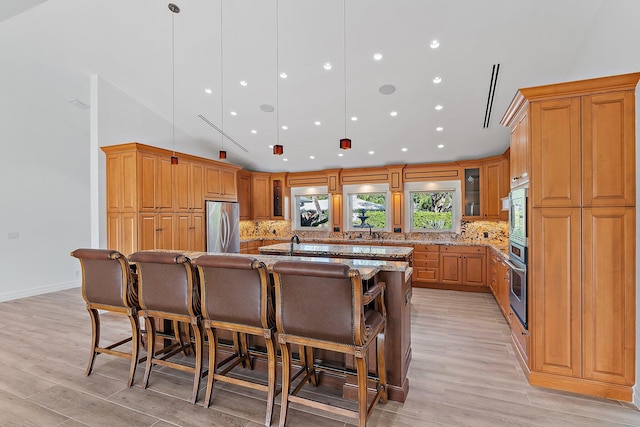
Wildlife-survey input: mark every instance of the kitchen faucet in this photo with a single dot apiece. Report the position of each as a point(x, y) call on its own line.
point(297, 240)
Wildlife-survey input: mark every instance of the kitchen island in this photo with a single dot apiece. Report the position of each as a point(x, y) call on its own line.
point(397, 276)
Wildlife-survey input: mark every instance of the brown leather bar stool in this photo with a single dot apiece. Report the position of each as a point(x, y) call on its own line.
point(107, 284)
point(237, 297)
point(320, 305)
point(169, 290)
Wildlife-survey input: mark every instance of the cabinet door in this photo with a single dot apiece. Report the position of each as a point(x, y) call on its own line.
point(555, 145)
point(148, 170)
point(495, 187)
point(164, 187)
point(608, 149)
point(147, 225)
point(519, 157)
point(260, 194)
point(555, 291)
point(474, 269)
point(229, 190)
point(121, 182)
point(182, 225)
point(451, 268)
point(278, 191)
point(212, 182)
point(472, 197)
point(197, 242)
point(165, 231)
point(608, 294)
point(196, 187)
point(182, 200)
point(244, 195)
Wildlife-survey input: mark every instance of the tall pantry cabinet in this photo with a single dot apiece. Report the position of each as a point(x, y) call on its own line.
point(581, 146)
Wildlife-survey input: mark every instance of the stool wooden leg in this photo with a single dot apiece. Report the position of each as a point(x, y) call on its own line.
point(95, 337)
point(213, 345)
point(198, 368)
point(382, 370)
point(286, 381)
point(361, 367)
point(151, 340)
point(271, 386)
point(135, 345)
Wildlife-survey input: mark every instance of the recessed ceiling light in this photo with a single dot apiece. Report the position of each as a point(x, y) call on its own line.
point(439, 128)
point(340, 154)
point(209, 91)
point(354, 118)
point(283, 75)
point(243, 83)
point(271, 146)
point(327, 65)
point(371, 152)
point(267, 108)
point(437, 79)
point(377, 56)
point(285, 127)
point(404, 149)
point(312, 157)
point(285, 160)
point(434, 44)
point(439, 107)
point(254, 131)
point(393, 113)
point(233, 113)
point(440, 145)
point(317, 123)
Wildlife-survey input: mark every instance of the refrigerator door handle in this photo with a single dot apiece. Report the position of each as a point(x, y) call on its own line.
point(225, 231)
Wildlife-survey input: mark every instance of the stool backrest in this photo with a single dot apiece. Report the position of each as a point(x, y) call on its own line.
point(106, 278)
point(235, 289)
point(318, 300)
point(167, 283)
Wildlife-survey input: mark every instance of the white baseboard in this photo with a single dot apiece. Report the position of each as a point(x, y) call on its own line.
point(39, 291)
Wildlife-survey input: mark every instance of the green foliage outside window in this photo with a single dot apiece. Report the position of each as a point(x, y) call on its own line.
point(432, 210)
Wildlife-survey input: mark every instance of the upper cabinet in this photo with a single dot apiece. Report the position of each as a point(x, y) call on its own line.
point(220, 182)
point(260, 194)
point(244, 194)
point(517, 120)
point(495, 180)
point(472, 188)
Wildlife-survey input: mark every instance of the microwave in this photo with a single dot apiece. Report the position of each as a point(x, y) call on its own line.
point(518, 216)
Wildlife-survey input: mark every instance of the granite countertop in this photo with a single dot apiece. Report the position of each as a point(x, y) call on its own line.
point(367, 268)
point(394, 252)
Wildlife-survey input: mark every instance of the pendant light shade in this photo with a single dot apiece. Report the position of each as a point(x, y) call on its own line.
point(278, 149)
point(174, 160)
point(222, 154)
point(345, 143)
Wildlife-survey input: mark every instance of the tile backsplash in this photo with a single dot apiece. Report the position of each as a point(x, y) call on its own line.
point(471, 231)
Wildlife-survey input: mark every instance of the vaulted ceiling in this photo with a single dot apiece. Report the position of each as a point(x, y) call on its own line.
point(216, 46)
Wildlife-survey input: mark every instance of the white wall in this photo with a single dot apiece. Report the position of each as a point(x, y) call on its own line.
point(44, 195)
point(610, 48)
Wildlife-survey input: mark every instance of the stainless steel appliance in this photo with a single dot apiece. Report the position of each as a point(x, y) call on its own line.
point(518, 216)
point(223, 227)
point(518, 281)
point(518, 254)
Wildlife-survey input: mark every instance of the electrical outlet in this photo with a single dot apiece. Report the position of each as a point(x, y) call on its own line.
point(486, 234)
point(13, 235)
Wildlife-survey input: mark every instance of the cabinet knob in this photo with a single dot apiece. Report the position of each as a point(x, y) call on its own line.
point(514, 179)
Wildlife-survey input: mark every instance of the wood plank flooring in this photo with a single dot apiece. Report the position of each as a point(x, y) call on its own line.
point(463, 373)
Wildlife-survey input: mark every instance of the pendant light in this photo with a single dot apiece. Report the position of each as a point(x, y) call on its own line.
point(222, 154)
point(175, 9)
point(345, 143)
point(278, 149)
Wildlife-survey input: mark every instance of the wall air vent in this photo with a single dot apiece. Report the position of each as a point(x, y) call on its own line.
point(207, 121)
point(492, 91)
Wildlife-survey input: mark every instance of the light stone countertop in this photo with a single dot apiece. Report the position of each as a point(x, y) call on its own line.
point(375, 251)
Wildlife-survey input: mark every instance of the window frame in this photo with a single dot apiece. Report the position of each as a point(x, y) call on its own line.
point(295, 209)
point(349, 190)
point(433, 186)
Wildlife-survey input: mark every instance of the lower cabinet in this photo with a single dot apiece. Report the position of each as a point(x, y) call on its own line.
point(250, 247)
point(156, 231)
point(520, 338)
point(463, 265)
point(190, 233)
point(426, 264)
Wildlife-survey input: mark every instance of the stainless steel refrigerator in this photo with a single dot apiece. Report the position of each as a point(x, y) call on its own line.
point(223, 227)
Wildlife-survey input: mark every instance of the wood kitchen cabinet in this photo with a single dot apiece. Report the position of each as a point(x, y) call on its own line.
point(152, 204)
point(426, 264)
point(260, 193)
point(472, 193)
point(278, 193)
point(582, 233)
point(244, 194)
point(463, 265)
point(495, 185)
point(220, 183)
point(517, 119)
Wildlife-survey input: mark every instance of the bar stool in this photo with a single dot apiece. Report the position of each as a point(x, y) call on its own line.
point(322, 305)
point(107, 285)
point(236, 296)
point(169, 290)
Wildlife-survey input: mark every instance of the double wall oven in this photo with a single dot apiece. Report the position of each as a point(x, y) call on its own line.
point(518, 253)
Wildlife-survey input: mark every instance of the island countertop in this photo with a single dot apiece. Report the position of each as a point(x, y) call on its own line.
point(350, 251)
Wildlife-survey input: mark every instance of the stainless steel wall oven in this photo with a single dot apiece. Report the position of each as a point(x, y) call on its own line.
point(518, 254)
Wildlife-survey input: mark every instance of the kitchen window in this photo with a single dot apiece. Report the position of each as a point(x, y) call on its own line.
point(311, 208)
point(366, 207)
point(433, 206)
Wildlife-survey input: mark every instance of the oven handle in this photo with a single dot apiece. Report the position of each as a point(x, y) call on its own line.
point(513, 267)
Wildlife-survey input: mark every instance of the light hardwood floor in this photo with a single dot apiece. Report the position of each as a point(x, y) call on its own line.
point(463, 373)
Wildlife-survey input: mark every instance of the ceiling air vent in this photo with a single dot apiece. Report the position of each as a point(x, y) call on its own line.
point(492, 91)
point(207, 121)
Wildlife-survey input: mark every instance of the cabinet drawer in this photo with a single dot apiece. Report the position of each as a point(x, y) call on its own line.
point(520, 337)
point(426, 256)
point(426, 263)
point(426, 248)
point(464, 249)
point(426, 274)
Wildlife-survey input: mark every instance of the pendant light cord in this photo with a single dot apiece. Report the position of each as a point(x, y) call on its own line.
point(277, 72)
point(344, 50)
point(221, 77)
point(173, 83)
